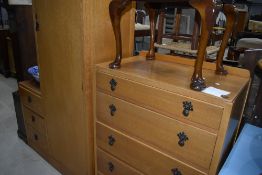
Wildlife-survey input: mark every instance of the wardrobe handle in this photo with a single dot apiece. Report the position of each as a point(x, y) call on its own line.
point(29, 99)
point(112, 109)
point(37, 25)
point(111, 166)
point(113, 84)
point(182, 138)
point(187, 105)
point(175, 171)
point(33, 118)
point(35, 137)
point(111, 140)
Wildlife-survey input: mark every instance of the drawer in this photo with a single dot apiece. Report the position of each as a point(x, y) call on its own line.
point(162, 101)
point(138, 155)
point(31, 100)
point(37, 140)
point(108, 164)
point(173, 137)
point(34, 120)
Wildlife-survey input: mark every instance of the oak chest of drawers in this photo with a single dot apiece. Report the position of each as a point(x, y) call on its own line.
point(34, 117)
point(148, 121)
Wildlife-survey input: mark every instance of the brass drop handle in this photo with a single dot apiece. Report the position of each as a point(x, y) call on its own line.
point(187, 106)
point(33, 118)
point(111, 140)
point(35, 137)
point(111, 166)
point(113, 84)
point(182, 138)
point(112, 109)
point(29, 99)
point(37, 25)
point(175, 171)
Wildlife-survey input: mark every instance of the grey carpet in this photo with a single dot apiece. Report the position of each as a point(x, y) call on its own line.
point(16, 158)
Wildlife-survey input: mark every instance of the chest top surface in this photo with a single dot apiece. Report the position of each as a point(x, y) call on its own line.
point(173, 74)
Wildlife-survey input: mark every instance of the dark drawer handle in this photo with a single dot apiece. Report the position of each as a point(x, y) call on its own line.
point(111, 140)
point(113, 84)
point(33, 118)
point(187, 108)
point(112, 109)
point(111, 166)
point(29, 99)
point(35, 137)
point(182, 138)
point(175, 171)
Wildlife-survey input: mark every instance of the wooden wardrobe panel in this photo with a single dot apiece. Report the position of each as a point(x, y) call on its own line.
point(60, 58)
point(74, 35)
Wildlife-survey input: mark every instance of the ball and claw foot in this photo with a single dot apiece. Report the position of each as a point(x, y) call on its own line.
point(150, 56)
point(198, 84)
point(114, 65)
point(221, 71)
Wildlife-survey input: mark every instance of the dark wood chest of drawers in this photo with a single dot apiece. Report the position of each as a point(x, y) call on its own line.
point(148, 121)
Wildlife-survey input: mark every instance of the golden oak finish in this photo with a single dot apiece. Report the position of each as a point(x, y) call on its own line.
point(34, 120)
point(107, 164)
point(37, 140)
point(138, 155)
point(170, 104)
point(73, 36)
point(174, 77)
point(150, 127)
point(148, 117)
point(33, 113)
point(31, 96)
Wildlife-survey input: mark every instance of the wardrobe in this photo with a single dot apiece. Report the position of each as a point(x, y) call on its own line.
point(71, 37)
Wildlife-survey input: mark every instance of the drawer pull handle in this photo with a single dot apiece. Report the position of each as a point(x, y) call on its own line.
point(35, 137)
point(112, 109)
point(175, 171)
point(33, 118)
point(187, 108)
point(113, 84)
point(111, 166)
point(182, 138)
point(111, 140)
point(29, 99)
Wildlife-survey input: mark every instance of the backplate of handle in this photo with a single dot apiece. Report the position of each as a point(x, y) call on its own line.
point(111, 140)
point(175, 171)
point(182, 138)
point(187, 107)
point(113, 84)
point(111, 166)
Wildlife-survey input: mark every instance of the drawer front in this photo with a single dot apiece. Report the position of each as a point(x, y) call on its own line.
point(170, 136)
point(34, 120)
point(108, 164)
point(37, 140)
point(31, 100)
point(162, 101)
point(138, 155)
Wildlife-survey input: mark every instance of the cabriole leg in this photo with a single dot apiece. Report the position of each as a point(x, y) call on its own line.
point(116, 8)
point(153, 13)
point(231, 15)
point(206, 10)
